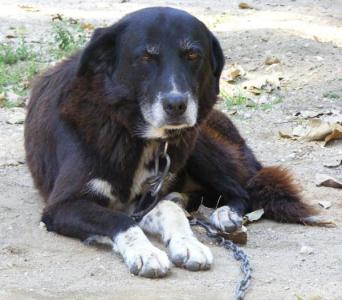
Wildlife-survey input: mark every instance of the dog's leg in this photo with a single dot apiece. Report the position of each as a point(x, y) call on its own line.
point(168, 221)
point(85, 220)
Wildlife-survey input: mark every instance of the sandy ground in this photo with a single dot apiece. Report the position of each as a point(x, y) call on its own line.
point(307, 37)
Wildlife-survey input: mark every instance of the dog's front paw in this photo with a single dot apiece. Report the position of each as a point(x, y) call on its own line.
point(225, 219)
point(189, 253)
point(147, 262)
point(141, 257)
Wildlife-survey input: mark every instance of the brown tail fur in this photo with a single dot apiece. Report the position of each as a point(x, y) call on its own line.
point(274, 190)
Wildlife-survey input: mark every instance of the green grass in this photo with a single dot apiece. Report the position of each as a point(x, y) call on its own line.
point(331, 95)
point(18, 64)
point(233, 100)
point(68, 36)
point(11, 54)
point(241, 101)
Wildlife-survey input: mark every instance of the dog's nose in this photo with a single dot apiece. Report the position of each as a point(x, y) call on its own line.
point(175, 104)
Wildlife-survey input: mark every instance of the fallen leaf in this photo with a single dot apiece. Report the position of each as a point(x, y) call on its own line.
point(202, 212)
point(87, 26)
point(333, 164)
point(320, 221)
point(318, 130)
point(271, 60)
point(299, 131)
point(254, 215)
point(254, 90)
point(316, 38)
point(58, 17)
point(325, 204)
point(308, 114)
point(244, 5)
point(285, 135)
point(334, 135)
point(328, 181)
point(28, 8)
point(234, 72)
point(261, 84)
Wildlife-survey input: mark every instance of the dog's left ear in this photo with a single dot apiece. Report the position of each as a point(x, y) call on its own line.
point(217, 60)
point(100, 51)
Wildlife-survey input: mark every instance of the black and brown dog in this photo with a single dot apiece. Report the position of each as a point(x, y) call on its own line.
point(97, 121)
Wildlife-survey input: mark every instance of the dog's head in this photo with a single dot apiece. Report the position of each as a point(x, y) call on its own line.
point(166, 63)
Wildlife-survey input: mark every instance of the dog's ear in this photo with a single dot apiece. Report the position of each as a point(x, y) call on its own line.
point(217, 60)
point(99, 54)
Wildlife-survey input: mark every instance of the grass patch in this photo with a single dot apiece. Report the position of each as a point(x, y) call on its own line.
point(239, 101)
point(331, 95)
point(231, 101)
point(11, 54)
point(68, 36)
point(18, 64)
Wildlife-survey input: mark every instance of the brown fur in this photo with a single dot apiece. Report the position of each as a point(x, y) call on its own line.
point(274, 189)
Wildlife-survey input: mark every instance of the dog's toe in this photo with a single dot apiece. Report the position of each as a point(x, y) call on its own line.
point(148, 262)
point(189, 253)
point(226, 219)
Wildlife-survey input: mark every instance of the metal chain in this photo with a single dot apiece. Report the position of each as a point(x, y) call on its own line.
point(239, 255)
point(156, 184)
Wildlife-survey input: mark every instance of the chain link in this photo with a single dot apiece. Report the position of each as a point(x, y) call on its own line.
point(239, 255)
point(156, 184)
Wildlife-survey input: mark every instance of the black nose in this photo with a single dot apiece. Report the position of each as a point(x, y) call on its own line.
point(175, 104)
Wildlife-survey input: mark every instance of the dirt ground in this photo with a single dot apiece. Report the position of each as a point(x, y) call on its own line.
point(307, 37)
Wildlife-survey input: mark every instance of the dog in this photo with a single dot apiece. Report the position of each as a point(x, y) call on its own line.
point(97, 121)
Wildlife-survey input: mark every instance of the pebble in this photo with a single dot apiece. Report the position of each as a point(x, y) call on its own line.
point(306, 250)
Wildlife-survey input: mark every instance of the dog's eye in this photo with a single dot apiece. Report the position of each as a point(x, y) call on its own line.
point(192, 56)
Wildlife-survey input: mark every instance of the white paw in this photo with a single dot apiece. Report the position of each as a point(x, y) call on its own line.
point(189, 253)
point(225, 219)
point(141, 257)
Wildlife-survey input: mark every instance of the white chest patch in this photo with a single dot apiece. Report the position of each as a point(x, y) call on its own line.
point(102, 187)
point(142, 173)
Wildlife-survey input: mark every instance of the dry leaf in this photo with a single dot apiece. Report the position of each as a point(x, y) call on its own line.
point(271, 60)
point(233, 73)
point(320, 221)
point(324, 204)
point(254, 215)
point(202, 212)
point(318, 130)
point(87, 26)
point(297, 132)
point(334, 135)
point(254, 90)
point(263, 84)
point(244, 5)
point(333, 164)
point(328, 181)
point(28, 8)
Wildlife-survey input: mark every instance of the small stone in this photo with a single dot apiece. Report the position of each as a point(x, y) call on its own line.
point(42, 225)
point(306, 250)
point(15, 99)
point(16, 117)
point(271, 60)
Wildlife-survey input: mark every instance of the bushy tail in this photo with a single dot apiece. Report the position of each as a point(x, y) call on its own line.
point(274, 190)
